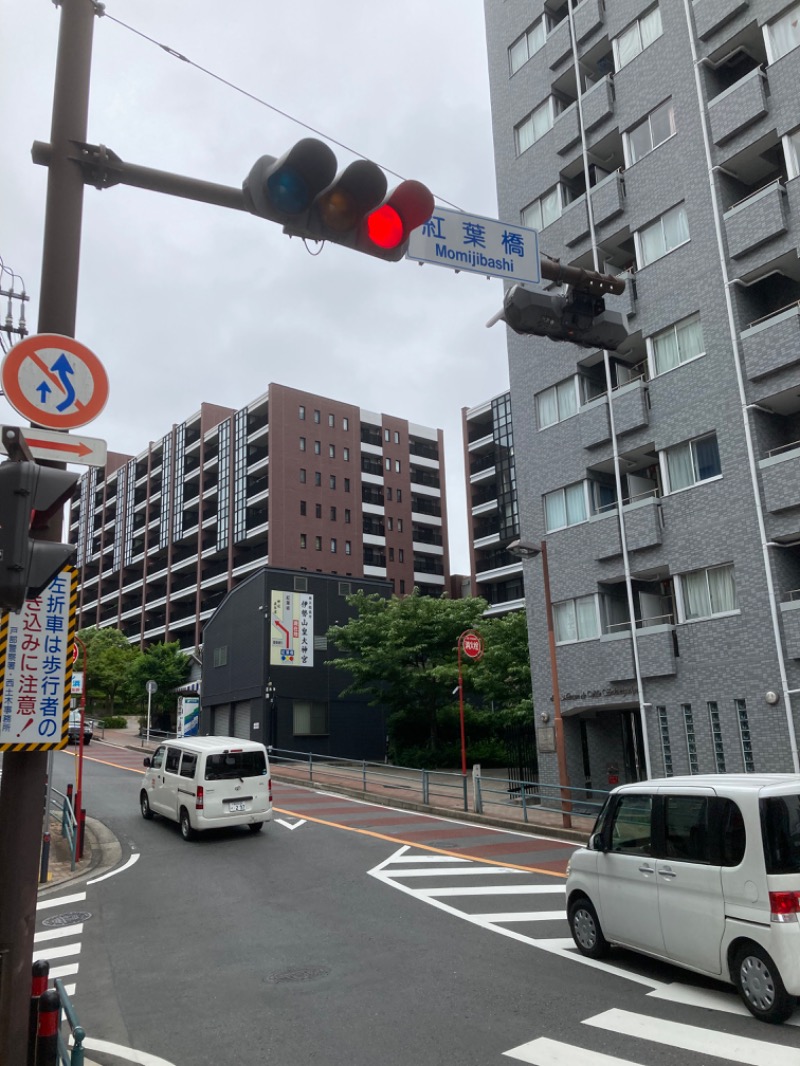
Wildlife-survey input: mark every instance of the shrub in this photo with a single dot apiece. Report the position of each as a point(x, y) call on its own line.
point(114, 721)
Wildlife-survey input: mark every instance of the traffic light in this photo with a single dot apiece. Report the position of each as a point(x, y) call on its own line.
point(29, 495)
point(303, 192)
point(579, 317)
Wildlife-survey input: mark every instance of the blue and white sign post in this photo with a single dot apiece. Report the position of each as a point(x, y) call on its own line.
point(479, 245)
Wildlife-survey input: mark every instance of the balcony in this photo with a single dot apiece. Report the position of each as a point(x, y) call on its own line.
point(558, 45)
point(643, 528)
point(738, 107)
point(588, 17)
point(566, 131)
point(588, 670)
point(772, 344)
point(780, 479)
point(790, 616)
point(598, 103)
point(594, 424)
point(608, 198)
point(630, 407)
point(757, 221)
point(711, 15)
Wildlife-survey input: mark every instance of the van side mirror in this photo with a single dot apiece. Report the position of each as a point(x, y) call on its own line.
point(146, 761)
point(596, 842)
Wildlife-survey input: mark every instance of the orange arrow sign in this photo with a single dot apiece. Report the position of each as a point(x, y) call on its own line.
point(70, 447)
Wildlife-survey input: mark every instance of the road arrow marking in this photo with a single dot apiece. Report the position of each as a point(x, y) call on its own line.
point(289, 824)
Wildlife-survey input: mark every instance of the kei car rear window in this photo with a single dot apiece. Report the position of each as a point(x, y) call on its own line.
point(235, 764)
point(780, 817)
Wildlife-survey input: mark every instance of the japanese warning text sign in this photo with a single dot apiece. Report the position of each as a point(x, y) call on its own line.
point(477, 244)
point(292, 629)
point(36, 667)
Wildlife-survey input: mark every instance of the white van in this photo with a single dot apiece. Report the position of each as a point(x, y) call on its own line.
point(703, 872)
point(208, 782)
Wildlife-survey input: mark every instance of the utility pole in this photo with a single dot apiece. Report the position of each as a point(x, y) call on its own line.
point(25, 772)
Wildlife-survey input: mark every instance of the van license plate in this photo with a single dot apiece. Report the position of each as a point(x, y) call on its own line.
point(235, 807)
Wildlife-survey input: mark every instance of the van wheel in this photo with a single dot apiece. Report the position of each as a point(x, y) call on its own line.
point(255, 827)
point(144, 804)
point(585, 928)
point(186, 826)
point(760, 985)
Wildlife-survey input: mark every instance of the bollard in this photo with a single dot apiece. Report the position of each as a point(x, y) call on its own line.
point(47, 1029)
point(44, 862)
point(40, 975)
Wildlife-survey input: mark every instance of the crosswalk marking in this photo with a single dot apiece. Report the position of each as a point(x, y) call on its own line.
point(708, 999)
point(57, 951)
point(742, 1049)
point(57, 934)
point(451, 871)
point(495, 890)
point(429, 858)
point(44, 904)
point(521, 916)
point(545, 1052)
point(63, 971)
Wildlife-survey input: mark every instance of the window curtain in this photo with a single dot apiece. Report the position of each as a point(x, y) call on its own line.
point(551, 206)
point(575, 504)
point(676, 227)
point(722, 589)
point(586, 616)
point(542, 120)
point(567, 398)
point(652, 243)
point(555, 510)
point(525, 135)
point(784, 33)
point(696, 602)
point(651, 27)
point(547, 408)
point(564, 622)
point(679, 467)
point(628, 46)
point(690, 339)
point(666, 351)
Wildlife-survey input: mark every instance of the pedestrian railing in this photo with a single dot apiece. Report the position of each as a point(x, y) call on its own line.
point(440, 788)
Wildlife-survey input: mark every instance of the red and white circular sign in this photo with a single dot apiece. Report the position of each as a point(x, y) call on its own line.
point(472, 644)
point(54, 381)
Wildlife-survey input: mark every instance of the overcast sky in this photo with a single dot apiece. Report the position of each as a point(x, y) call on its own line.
point(185, 302)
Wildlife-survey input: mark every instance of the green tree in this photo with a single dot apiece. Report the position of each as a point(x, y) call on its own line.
point(167, 666)
point(401, 652)
point(503, 675)
point(108, 659)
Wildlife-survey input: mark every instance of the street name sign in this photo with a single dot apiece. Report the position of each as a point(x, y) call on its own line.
point(54, 381)
point(63, 447)
point(479, 245)
point(36, 667)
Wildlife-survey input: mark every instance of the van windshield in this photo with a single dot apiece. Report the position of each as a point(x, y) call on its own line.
point(235, 764)
point(780, 816)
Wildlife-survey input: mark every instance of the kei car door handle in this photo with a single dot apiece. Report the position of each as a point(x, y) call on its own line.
point(666, 871)
point(645, 869)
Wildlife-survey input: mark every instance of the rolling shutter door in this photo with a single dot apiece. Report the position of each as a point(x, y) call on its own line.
point(221, 720)
point(241, 720)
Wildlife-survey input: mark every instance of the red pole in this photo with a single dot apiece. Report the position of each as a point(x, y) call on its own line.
point(47, 1035)
point(79, 771)
point(39, 977)
point(461, 712)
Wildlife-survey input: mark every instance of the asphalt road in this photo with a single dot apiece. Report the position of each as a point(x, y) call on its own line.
point(355, 935)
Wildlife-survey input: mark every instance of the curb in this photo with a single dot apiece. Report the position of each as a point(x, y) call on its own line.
point(105, 853)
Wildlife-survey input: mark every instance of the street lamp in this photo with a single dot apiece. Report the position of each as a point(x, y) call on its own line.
point(272, 699)
point(524, 549)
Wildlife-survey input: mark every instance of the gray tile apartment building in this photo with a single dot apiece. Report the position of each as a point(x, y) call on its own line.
point(661, 142)
point(291, 480)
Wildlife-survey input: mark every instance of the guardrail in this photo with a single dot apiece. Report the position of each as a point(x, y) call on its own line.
point(481, 793)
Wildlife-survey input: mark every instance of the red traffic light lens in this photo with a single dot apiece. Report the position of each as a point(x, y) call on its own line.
point(385, 227)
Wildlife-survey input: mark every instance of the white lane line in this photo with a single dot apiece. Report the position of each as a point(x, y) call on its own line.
point(709, 999)
point(57, 951)
point(43, 904)
point(493, 890)
point(523, 916)
point(63, 971)
point(96, 880)
point(545, 1052)
point(428, 858)
point(57, 934)
point(142, 1058)
point(712, 1042)
point(453, 871)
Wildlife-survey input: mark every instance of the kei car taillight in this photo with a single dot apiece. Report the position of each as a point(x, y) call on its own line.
point(270, 790)
point(784, 906)
point(200, 801)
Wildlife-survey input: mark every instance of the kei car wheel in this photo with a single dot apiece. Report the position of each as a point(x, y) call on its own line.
point(186, 826)
point(760, 985)
point(255, 827)
point(144, 804)
point(585, 928)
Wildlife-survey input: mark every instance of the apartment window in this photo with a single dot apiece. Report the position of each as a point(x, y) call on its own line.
point(333, 545)
point(221, 655)
point(331, 421)
point(658, 127)
point(637, 37)
point(302, 507)
point(397, 466)
point(783, 35)
point(318, 510)
point(401, 555)
point(318, 544)
point(386, 435)
point(302, 475)
point(396, 437)
point(302, 444)
point(303, 541)
point(557, 403)
point(527, 45)
point(565, 507)
point(331, 451)
point(346, 454)
point(540, 213)
point(576, 619)
point(677, 344)
point(716, 737)
point(691, 462)
point(316, 417)
point(345, 423)
point(333, 514)
point(536, 124)
point(347, 516)
point(348, 547)
point(389, 494)
point(388, 464)
point(666, 746)
point(317, 478)
point(691, 739)
point(704, 593)
point(402, 586)
point(309, 718)
point(668, 232)
point(301, 413)
point(391, 555)
point(347, 484)
point(317, 447)
point(399, 495)
point(744, 735)
point(399, 525)
point(332, 481)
